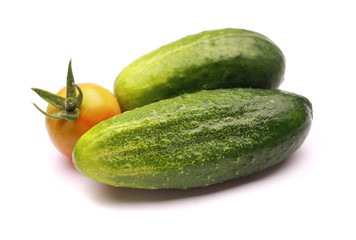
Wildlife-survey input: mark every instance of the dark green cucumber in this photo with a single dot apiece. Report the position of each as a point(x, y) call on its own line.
point(196, 139)
point(225, 58)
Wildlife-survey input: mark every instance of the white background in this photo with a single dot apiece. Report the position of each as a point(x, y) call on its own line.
point(309, 196)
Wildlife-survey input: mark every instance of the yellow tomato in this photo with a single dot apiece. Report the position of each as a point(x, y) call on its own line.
point(98, 104)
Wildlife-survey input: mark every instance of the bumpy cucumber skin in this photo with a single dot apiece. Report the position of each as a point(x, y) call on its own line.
point(196, 139)
point(225, 58)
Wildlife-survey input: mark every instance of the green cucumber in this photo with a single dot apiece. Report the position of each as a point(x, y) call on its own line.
point(225, 58)
point(195, 139)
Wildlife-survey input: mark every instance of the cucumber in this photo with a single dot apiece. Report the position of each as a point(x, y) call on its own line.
point(195, 139)
point(224, 58)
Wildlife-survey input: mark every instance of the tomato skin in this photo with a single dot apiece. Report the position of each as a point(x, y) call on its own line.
point(98, 104)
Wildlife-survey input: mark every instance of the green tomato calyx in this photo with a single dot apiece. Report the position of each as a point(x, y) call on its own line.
point(69, 106)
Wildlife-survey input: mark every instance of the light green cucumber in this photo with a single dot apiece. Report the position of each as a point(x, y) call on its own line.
point(195, 139)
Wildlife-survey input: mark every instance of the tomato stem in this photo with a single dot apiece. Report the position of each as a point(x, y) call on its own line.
point(69, 105)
